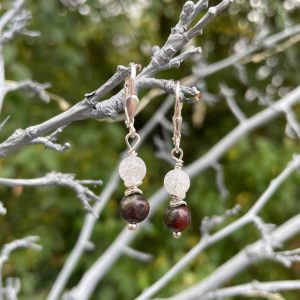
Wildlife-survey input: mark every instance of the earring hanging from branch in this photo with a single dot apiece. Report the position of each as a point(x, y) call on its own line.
point(177, 216)
point(134, 207)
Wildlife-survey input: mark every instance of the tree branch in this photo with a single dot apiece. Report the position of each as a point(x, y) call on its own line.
point(39, 89)
point(270, 41)
point(220, 181)
point(169, 86)
point(2, 209)
point(50, 141)
point(59, 179)
point(138, 255)
point(249, 288)
point(212, 13)
point(17, 5)
point(27, 242)
point(238, 262)
point(208, 223)
point(229, 97)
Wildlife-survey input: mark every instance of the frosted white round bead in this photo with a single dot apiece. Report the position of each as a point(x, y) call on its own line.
point(132, 170)
point(177, 183)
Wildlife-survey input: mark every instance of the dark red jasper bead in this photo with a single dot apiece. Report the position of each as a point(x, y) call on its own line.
point(134, 208)
point(177, 218)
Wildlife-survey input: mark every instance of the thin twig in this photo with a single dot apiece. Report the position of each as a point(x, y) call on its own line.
point(27, 242)
point(229, 97)
point(238, 263)
point(59, 179)
point(249, 288)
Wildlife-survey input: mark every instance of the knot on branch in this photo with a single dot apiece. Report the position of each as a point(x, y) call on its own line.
point(32, 132)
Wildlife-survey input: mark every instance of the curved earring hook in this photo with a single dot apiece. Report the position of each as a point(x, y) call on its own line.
point(131, 100)
point(177, 118)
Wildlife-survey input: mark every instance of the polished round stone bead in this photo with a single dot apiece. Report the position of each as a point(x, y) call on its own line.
point(132, 170)
point(177, 219)
point(134, 208)
point(177, 183)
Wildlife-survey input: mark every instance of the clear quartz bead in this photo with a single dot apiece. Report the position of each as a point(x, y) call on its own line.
point(177, 183)
point(132, 170)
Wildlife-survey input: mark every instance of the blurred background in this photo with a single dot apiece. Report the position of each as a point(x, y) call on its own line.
point(80, 46)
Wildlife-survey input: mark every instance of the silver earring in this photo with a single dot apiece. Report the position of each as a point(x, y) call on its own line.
point(134, 207)
point(177, 216)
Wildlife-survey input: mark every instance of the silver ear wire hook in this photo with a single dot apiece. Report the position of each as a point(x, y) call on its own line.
point(131, 99)
point(177, 119)
point(130, 106)
point(177, 182)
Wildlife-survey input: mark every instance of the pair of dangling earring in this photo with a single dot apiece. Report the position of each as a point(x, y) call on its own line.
point(134, 207)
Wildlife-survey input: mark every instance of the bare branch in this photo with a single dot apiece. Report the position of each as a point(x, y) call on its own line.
point(2, 209)
point(27, 242)
point(138, 255)
point(12, 289)
point(198, 7)
point(177, 61)
point(163, 149)
point(17, 26)
point(82, 110)
point(220, 182)
point(292, 122)
point(2, 76)
point(229, 97)
point(209, 223)
point(115, 80)
point(17, 5)
point(50, 141)
point(59, 179)
point(238, 263)
point(249, 289)
point(38, 89)
point(212, 13)
point(265, 231)
point(179, 36)
point(4, 122)
point(84, 238)
point(270, 41)
point(169, 86)
point(110, 108)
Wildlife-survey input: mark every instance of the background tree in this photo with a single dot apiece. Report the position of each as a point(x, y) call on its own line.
point(248, 68)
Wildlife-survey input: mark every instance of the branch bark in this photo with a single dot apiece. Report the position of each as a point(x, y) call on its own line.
point(89, 108)
point(59, 179)
point(238, 263)
point(250, 288)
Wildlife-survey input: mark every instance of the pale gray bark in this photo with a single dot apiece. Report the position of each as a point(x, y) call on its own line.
point(238, 263)
point(84, 194)
point(27, 242)
point(90, 107)
point(266, 290)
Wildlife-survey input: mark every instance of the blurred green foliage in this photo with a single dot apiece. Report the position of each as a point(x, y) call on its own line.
point(77, 51)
